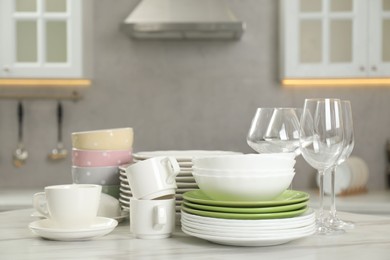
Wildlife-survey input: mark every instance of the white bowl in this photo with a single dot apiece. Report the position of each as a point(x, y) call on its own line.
point(213, 172)
point(266, 161)
point(244, 188)
point(96, 175)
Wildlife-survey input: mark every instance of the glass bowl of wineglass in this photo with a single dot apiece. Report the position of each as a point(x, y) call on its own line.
point(275, 130)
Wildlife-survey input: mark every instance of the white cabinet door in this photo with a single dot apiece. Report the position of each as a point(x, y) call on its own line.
point(335, 38)
point(40, 39)
point(379, 38)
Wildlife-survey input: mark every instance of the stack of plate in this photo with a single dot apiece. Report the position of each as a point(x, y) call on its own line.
point(124, 189)
point(248, 223)
point(184, 180)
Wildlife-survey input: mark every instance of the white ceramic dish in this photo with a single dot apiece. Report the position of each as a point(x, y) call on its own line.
point(304, 219)
point(250, 234)
point(274, 161)
point(184, 155)
point(243, 188)
point(256, 241)
point(185, 179)
point(224, 172)
point(46, 228)
point(246, 231)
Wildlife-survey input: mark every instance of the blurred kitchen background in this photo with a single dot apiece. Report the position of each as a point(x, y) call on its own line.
point(182, 95)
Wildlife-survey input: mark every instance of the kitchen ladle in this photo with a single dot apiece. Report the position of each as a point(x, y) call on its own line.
point(20, 155)
point(59, 152)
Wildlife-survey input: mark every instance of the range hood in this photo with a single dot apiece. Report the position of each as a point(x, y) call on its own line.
point(183, 19)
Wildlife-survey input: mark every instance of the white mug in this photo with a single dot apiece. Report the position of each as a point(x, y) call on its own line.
point(153, 178)
point(70, 205)
point(152, 219)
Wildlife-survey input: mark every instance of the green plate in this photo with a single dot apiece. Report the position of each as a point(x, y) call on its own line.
point(212, 214)
point(288, 197)
point(247, 210)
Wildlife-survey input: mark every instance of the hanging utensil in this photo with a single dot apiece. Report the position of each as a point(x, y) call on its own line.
point(20, 155)
point(59, 152)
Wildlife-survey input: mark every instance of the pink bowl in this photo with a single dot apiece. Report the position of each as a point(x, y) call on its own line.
point(98, 158)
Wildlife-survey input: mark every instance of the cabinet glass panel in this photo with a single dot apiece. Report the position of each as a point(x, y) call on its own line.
point(55, 6)
point(56, 41)
point(341, 6)
point(311, 5)
point(310, 49)
point(386, 40)
point(26, 41)
point(386, 5)
point(26, 5)
point(340, 41)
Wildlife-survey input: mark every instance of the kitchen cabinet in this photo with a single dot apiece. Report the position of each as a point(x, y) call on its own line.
point(44, 39)
point(335, 38)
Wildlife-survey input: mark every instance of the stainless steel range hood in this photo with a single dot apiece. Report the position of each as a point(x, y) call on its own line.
point(183, 19)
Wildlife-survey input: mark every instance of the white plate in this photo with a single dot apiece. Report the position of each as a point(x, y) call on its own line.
point(125, 185)
point(246, 231)
point(46, 228)
point(124, 202)
point(123, 179)
point(183, 155)
point(184, 190)
point(125, 191)
point(184, 185)
point(260, 241)
point(185, 179)
point(306, 217)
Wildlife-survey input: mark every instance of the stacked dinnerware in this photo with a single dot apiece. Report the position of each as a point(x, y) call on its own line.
point(184, 180)
point(248, 223)
point(97, 154)
point(244, 200)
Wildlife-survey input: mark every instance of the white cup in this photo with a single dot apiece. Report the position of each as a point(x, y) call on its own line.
point(153, 178)
point(152, 219)
point(69, 206)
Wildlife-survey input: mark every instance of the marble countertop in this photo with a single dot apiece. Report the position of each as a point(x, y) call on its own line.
point(369, 240)
point(375, 202)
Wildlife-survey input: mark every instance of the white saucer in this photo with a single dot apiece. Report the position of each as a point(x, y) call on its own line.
point(46, 228)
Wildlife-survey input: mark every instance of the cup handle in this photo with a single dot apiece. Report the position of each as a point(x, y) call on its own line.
point(159, 217)
point(175, 169)
point(40, 204)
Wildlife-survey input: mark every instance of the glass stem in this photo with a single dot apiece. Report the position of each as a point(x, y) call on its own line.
point(321, 206)
point(333, 193)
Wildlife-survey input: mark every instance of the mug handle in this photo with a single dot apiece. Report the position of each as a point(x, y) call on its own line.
point(159, 217)
point(40, 204)
point(174, 171)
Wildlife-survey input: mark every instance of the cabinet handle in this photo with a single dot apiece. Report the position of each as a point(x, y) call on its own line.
point(361, 68)
point(373, 68)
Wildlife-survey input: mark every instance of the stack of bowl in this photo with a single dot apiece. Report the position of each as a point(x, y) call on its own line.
point(97, 154)
point(244, 200)
point(249, 177)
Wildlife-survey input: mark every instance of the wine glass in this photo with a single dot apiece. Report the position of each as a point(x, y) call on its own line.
point(333, 220)
point(321, 142)
point(275, 130)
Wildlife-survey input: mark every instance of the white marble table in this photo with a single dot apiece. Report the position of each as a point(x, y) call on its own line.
point(369, 240)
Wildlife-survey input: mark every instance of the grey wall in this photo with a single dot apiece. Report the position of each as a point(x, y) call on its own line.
point(183, 95)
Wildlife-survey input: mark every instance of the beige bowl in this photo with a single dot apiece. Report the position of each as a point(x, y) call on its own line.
point(106, 139)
